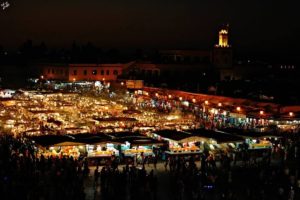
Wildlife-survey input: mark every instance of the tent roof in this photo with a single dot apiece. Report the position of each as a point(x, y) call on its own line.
point(179, 136)
point(219, 136)
point(249, 133)
point(113, 119)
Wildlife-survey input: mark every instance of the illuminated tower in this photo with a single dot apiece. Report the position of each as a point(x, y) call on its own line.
point(222, 54)
point(223, 37)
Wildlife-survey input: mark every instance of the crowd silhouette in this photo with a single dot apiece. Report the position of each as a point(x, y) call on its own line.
point(243, 174)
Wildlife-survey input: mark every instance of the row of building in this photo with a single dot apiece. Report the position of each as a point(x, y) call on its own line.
point(174, 62)
point(215, 64)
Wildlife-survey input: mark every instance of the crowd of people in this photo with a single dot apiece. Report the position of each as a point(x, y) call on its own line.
point(244, 174)
point(129, 183)
point(247, 178)
point(23, 176)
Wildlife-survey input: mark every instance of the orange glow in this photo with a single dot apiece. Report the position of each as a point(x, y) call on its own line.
point(170, 96)
point(291, 114)
point(238, 108)
point(194, 100)
point(261, 112)
point(219, 104)
point(206, 102)
point(180, 98)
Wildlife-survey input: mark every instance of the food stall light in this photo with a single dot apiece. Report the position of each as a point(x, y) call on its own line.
point(219, 104)
point(194, 100)
point(224, 113)
point(238, 108)
point(206, 102)
point(291, 114)
point(180, 98)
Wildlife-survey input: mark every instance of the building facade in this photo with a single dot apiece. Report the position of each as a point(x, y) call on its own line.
point(83, 72)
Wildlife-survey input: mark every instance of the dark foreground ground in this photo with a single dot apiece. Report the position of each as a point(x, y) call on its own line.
point(242, 181)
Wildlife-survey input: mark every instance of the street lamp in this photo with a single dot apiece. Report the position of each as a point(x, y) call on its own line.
point(291, 114)
point(238, 108)
point(261, 112)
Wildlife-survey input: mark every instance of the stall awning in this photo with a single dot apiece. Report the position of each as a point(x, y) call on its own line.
point(218, 136)
point(179, 136)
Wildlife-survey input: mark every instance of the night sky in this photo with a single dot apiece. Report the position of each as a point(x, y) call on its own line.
point(256, 25)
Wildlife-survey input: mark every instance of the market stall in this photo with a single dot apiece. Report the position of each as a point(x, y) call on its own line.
point(179, 142)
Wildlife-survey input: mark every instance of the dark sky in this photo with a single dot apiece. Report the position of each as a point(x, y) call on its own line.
point(262, 25)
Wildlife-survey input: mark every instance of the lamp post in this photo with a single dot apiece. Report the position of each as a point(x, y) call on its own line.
point(261, 113)
point(238, 109)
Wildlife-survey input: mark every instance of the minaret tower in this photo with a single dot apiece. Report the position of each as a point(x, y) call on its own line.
point(222, 54)
point(223, 37)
